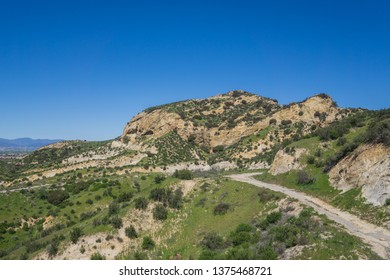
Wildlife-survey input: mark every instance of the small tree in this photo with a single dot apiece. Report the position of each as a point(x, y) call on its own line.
point(148, 243)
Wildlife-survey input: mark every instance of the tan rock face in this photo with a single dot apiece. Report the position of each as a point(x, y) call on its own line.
point(368, 167)
point(158, 122)
point(285, 162)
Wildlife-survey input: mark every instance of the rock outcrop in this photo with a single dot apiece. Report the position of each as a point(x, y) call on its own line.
point(367, 167)
point(286, 161)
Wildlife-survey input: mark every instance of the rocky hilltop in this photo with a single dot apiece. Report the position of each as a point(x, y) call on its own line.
point(225, 119)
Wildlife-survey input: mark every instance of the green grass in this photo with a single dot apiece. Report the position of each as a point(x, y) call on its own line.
point(200, 219)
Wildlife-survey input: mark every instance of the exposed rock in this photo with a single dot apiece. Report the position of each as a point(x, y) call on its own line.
point(285, 162)
point(369, 168)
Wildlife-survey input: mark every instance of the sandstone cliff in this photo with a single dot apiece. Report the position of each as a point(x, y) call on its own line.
point(369, 168)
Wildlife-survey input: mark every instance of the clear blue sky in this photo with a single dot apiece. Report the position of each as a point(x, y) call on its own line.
point(82, 69)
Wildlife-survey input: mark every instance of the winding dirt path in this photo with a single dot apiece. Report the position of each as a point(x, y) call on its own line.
point(377, 237)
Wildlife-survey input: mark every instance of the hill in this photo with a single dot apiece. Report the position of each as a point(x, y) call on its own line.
point(158, 190)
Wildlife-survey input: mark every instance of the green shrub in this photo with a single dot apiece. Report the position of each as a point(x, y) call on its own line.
point(387, 202)
point(97, 257)
point(141, 203)
point(148, 243)
point(310, 160)
point(379, 132)
point(57, 196)
point(266, 253)
point(116, 222)
point(125, 197)
point(221, 208)
point(159, 178)
point(131, 232)
point(160, 212)
point(273, 217)
point(304, 178)
point(113, 208)
point(183, 174)
point(212, 241)
point(341, 141)
point(75, 234)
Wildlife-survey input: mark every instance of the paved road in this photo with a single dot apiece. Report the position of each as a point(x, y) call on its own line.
point(377, 237)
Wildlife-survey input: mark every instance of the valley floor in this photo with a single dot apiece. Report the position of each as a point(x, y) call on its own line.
point(377, 237)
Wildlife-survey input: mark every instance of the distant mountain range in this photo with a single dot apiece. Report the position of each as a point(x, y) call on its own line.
point(24, 144)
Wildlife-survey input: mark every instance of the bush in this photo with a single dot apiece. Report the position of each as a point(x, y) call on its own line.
point(183, 174)
point(379, 132)
point(341, 141)
point(159, 178)
point(97, 257)
point(239, 253)
point(89, 201)
point(52, 249)
point(141, 203)
point(175, 200)
point(131, 232)
point(272, 121)
point(57, 196)
point(387, 202)
point(304, 178)
point(310, 160)
point(273, 217)
point(285, 122)
point(221, 208)
point(218, 149)
point(148, 243)
point(113, 208)
point(75, 234)
point(266, 253)
point(116, 222)
point(160, 213)
point(125, 197)
point(212, 241)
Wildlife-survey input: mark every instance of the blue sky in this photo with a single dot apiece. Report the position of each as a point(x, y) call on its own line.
point(82, 69)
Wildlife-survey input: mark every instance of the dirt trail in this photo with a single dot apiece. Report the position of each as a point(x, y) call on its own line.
point(377, 237)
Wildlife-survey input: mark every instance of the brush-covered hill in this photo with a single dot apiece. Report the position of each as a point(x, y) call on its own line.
point(227, 130)
point(157, 191)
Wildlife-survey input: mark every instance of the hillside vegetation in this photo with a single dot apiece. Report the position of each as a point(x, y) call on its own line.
point(157, 191)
